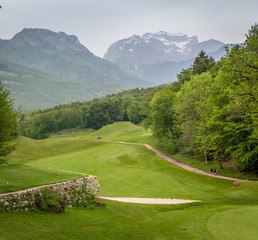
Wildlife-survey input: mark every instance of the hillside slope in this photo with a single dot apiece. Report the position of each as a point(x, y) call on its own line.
point(62, 56)
point(81, 75)
point(33, 89)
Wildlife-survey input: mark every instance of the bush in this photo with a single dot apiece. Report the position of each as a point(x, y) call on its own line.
point(83, 199)
point(49, 200)
point(168, 145)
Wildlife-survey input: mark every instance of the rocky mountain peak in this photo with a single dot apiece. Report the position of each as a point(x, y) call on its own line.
point(167, 37)
point(36, 37)
point(151, 48)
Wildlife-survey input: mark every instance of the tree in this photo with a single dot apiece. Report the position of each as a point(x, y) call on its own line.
point(202, 63)
point(193, 109)
point(241, 67)
point(133, 113)
point(185, 75)
point(163, 119)
point(8, 122)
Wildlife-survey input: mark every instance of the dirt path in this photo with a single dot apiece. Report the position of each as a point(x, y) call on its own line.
point(183, 165)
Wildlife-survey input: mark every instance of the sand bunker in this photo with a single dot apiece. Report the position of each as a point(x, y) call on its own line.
point(150, 200)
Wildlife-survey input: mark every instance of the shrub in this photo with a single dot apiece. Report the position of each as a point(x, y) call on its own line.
point(83, 199)
point(49, 200)
point(168, 145)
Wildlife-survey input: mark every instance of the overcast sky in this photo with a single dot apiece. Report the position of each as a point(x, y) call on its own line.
point(99, 23)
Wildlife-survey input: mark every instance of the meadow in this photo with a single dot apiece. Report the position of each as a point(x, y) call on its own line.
point(225, 212)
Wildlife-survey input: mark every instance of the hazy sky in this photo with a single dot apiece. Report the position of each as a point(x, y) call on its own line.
point(99, 23)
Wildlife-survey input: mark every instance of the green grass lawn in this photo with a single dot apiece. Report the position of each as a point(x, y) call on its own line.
point(240, 222)
point(128, 221)
point(124, 131)
point(126, 171)
point(127, 132)
point(134, 171)
point(19, 177)
point(116, 221)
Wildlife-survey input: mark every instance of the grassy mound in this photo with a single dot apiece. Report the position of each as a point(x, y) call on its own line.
point(124, 131)
point(29, 149)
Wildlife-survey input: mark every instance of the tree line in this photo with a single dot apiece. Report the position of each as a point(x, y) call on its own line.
point(130, 105)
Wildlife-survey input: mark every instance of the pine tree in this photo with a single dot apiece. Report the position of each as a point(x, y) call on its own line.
point(8, 122)
point(202, 63)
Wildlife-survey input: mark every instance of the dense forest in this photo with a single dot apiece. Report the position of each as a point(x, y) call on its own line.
point(211, 111)
point(130, 105)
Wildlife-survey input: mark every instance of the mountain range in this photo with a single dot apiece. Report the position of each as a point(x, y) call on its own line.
point(158, 57)
point(43, 68)
point(43, 55)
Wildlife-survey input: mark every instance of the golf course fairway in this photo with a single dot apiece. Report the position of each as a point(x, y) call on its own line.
point(224, 211)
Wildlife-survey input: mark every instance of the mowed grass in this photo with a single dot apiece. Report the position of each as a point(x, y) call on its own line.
point(19, 177)
point(117, 221)
point(128, 132)
point(134, 171)
point(240, 222)
point(124, 131)
point(129, 171)
point(29, 149)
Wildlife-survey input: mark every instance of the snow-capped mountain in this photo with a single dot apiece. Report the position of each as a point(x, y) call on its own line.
point(158, 57)
point(151, 48)
point(170, 44)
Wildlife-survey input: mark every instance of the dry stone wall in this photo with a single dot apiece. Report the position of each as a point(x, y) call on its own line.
point(71, 191)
